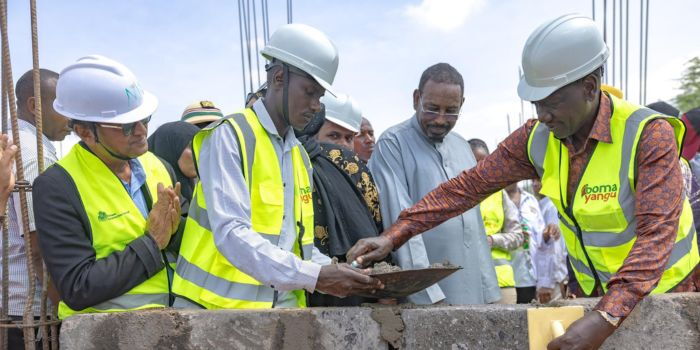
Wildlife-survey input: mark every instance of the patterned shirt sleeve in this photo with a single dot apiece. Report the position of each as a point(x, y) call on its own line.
point(658, 208)
point(509, 163)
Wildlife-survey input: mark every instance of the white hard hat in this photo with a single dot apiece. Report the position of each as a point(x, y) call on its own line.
point(343, 110)
point(305, 48)
point(99, 89)
point(558, 53)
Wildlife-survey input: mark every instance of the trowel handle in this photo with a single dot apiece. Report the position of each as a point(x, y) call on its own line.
point(557, 328)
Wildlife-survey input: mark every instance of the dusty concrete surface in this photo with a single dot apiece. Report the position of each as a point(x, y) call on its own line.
point(321, 328)
point(466, 327)
point(669, 321)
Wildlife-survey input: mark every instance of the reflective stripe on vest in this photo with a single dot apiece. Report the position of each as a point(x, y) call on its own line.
point(206, 277)
point(599, 224)
point(132, 302)
point(115, 221)
point(493, 215)
point(220, 286)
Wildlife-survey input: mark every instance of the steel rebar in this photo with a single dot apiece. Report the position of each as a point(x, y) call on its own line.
point(7, 75)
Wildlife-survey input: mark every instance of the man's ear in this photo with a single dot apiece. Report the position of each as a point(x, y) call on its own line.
point(416, 100)
point(31, 105)
point(591, 84)
point(278, 77)
point(85, 133)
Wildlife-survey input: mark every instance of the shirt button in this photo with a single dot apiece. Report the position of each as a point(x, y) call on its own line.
point(284, 184)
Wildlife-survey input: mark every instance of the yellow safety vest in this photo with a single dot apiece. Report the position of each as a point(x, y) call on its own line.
point(206, 277)
point(493, 215)
point(599, 225)
point(115, 221)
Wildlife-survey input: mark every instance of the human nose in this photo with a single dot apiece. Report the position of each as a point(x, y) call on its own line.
point(316, 104)
point(441, 118)
point(543, 115)
point(140, 129)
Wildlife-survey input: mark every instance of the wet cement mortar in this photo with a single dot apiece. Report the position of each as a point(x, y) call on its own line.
point(391, 323)
point(384, 267)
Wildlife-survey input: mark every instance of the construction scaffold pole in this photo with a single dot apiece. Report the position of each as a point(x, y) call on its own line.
point(605, 31)
point(618, 66)
point(614, 41)
point(47, 327)
point(28, 319)
point(641, 49)
point(254, 29)
point(627, 45)
point(646, 51)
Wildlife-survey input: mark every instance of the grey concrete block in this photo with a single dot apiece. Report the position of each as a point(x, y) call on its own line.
point(670, 321)
point(322, 328)
point(466, 327)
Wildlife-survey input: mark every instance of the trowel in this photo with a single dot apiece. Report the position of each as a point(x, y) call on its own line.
point(546, 323)
point(399, 284)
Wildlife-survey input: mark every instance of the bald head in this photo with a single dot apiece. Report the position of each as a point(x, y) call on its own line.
point(55, 126)
point(25, 86)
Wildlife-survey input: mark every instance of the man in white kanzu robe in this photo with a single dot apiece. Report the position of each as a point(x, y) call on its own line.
point(411, 159)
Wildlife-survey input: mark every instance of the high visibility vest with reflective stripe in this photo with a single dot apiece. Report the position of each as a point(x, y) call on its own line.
point(493, 215)
point(206, 277)
point(115, 221)
point(599, 225)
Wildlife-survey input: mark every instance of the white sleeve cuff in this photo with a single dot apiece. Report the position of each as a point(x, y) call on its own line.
point(308, 275)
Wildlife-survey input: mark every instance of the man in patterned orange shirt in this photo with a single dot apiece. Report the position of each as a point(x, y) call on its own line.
point(610, 167)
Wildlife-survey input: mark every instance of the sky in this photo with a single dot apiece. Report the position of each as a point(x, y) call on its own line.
point(185, 51)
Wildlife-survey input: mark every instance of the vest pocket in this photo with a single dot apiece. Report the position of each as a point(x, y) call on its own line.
point(267, 213)
point(611, 220)
point(271, 194)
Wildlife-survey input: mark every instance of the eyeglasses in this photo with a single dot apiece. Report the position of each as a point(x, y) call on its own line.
point(127, 129)
point(435, 113)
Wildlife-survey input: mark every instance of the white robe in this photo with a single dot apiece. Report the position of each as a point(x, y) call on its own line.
point(406, 166)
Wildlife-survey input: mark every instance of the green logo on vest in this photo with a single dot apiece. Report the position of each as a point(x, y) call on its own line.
point(102, 216)
point(305, 194)
point(599, 193)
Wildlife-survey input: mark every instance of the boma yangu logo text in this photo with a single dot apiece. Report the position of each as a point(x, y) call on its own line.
point(305, 194)
point(599, 192)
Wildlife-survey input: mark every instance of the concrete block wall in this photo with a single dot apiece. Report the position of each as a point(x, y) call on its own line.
point(669, 321)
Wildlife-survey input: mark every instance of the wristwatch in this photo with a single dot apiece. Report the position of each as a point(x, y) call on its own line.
point(615, 321)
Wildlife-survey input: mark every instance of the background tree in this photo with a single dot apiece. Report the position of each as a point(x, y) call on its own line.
point(689, 97)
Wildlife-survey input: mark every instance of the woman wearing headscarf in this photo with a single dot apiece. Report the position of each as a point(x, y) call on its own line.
point(346, 201)
point(173, 143)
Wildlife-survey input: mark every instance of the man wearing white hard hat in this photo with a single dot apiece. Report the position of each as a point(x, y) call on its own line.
point(248, 241)
point(106, 212)
point(609, 166)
